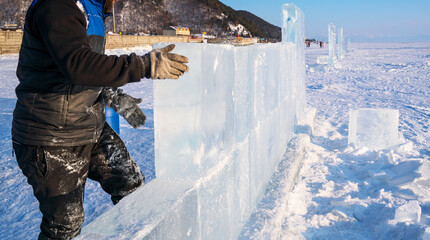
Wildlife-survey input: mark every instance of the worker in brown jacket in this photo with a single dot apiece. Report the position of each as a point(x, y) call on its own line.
point(59, 132)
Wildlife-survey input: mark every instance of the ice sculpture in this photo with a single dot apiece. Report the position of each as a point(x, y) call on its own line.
point(220, 131)
point(373, 128)
point(331, 44)
point(340, 45)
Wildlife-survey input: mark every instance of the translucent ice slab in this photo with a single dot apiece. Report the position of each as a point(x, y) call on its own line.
point(373, 128)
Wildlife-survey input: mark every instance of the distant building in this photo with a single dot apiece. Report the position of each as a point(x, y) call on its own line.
point(9, 27)
point(177, 31)
point(204, 35)
point(169, 32)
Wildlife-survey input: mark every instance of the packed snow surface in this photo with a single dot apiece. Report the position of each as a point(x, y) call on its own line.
point(346, 193)
point(341, 192)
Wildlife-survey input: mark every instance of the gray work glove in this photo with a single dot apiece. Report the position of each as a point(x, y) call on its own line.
point(166, 65)
point(125, 105)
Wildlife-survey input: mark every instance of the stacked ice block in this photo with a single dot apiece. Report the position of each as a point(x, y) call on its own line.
point(340, 45)
point(220, 131)
point(331, 44)
point(348, 45)
point(293, 30)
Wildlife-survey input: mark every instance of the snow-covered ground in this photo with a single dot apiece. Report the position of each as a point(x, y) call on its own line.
point(345, 193)
point(341, 193)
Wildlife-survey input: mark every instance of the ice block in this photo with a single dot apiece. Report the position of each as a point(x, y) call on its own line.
point(373, 128)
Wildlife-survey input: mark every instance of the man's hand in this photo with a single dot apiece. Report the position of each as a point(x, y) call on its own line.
point(125, 105)
point(166, 65)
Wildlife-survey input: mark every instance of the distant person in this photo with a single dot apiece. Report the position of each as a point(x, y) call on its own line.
point(308, 44)
point(321, 44)
point(59, 132)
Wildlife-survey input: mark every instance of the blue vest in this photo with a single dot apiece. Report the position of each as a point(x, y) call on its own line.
point(94, 11)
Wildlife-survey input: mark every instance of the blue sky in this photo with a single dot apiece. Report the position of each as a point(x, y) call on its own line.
point(362, 20)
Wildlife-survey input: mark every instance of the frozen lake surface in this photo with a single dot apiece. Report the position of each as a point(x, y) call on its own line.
point(341, 192)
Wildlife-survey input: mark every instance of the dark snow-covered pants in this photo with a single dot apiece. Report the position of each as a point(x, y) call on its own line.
point(58, 176)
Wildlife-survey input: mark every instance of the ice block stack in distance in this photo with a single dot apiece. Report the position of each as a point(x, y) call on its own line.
point(340, 45)
point(331, 44)
point(221, 130)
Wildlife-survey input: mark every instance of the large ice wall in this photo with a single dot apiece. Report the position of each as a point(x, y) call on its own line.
point(234, 93)
point(220, 131)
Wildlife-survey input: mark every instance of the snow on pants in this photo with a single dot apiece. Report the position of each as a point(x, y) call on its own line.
point(58, 176)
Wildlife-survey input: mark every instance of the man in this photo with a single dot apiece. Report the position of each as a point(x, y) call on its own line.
point(59, 132)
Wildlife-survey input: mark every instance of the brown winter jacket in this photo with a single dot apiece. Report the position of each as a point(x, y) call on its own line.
point(61, 78)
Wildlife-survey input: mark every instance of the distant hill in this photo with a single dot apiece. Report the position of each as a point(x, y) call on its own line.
point(152, 16)
point(13, 11)
point(260, 27)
